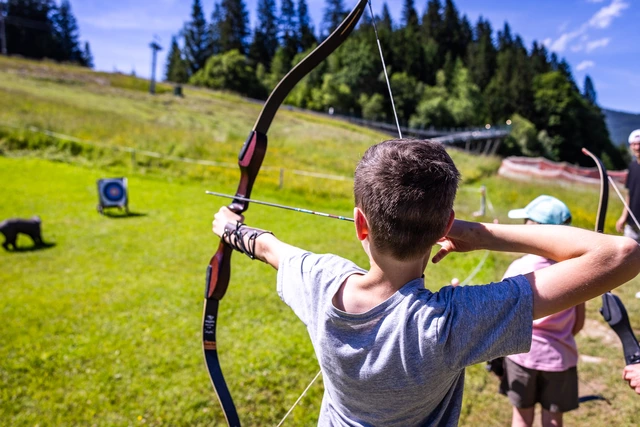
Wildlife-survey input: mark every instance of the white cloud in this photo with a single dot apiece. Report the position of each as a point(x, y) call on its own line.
point(595, 44)
point(585, 65)
point(560, 45)
point(600, 20)
point(604, 17)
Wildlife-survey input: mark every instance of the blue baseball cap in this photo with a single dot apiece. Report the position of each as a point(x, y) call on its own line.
point(544, 210)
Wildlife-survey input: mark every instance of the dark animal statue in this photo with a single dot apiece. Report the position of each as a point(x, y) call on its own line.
point(11, 227)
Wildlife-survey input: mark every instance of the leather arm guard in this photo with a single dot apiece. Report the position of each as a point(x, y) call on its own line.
point(242, 238)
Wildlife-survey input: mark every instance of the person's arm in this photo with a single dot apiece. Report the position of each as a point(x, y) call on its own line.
point(588, 263)
point(631, 374)
point(267, 247)
point(623, 217)
point(580, 316)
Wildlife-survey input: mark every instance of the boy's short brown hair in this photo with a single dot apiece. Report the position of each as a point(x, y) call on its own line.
point(406, 189)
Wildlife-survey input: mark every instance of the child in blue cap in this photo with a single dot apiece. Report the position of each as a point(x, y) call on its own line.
point(547, 374)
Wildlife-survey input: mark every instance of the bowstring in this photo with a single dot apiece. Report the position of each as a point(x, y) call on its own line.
point(384, 68)
point(299, 399)
point(615, 187)
point(478, 267)
point(395, 114)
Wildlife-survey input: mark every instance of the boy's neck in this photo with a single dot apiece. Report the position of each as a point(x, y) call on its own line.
point(390, 273)
point(360, 293)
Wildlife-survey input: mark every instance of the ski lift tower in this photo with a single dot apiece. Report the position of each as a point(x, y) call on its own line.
point(155, 47)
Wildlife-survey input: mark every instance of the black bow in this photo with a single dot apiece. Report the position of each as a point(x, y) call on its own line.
point(250, 160)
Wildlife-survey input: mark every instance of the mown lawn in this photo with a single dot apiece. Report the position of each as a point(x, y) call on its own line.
point(103, 327)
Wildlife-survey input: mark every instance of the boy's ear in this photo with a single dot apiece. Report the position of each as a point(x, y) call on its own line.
point(361, 223)
point(452, 218)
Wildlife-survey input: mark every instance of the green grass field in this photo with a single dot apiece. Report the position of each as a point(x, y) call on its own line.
point(104, 326)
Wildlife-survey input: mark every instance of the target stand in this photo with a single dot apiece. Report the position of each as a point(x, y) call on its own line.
point(112, 193)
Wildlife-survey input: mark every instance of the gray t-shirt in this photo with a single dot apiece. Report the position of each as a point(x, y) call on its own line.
point(402, 362)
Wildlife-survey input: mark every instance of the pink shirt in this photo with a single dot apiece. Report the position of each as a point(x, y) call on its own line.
point(553, 347)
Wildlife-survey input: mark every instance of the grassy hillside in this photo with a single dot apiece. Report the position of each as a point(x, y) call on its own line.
point(103, 327)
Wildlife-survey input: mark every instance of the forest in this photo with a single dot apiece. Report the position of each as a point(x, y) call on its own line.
point(42, 29)
point(445, 72)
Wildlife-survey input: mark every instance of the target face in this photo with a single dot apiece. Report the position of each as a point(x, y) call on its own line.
point(113, 191)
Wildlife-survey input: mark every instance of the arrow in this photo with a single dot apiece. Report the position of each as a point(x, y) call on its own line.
point(274, 205)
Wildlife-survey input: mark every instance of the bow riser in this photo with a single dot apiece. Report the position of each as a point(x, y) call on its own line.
point(249, 160)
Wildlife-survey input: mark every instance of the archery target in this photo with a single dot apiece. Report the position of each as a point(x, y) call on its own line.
point(112, 192)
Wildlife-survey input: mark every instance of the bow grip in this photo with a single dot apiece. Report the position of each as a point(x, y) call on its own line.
point(218, 273)
point(615, 314)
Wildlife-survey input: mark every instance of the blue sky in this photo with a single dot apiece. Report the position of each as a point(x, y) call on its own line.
point(597, 37)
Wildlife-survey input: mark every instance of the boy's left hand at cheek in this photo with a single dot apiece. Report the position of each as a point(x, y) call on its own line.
point(222, 218)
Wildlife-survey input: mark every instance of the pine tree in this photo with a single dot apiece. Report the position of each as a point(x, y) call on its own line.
point(213, 29)
point(234, 27)
point(481, 55)
point(450, 37)
point(386, 22)
point(67, 33)
point(431, 28)
point(412, 59)
point(87, 56)
point(305, 28)
point(432, 22)
point(334, 13)
point(590, 91)
point(29, 28)
point(521, 84)
point(197, 43)
point(409, 15)
point(553, 62)
point(565, 69)
point(176, 68)
point(539, 59)
point(287, 29)
point(466, 36)
point(505, 39)
point(265, 36)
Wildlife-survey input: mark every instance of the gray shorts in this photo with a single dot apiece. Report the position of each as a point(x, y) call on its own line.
point(555, 391)
point(630, 231)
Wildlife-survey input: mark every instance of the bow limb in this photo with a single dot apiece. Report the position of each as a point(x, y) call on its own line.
point(250, 160)
point(604, 191)
point(613, 311)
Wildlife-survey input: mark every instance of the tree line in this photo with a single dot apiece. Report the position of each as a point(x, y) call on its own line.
point(444, 72)
point(42, 29)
